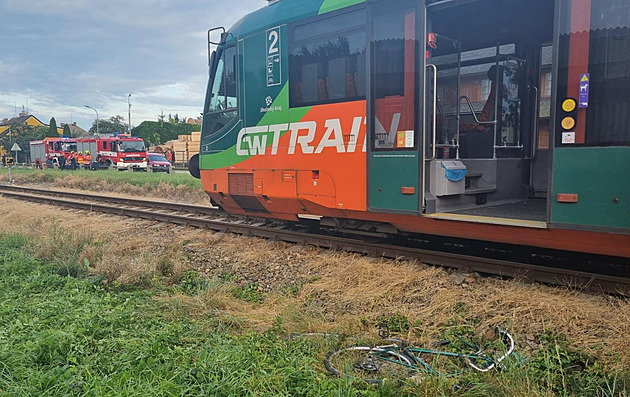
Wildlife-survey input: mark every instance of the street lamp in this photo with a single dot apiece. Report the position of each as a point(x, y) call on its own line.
point(96, 117)
point(129, 103)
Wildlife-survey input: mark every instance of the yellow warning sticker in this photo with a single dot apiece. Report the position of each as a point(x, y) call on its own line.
point(569, 105)
point(568, 123)
point(584, 79)
point(400, 142)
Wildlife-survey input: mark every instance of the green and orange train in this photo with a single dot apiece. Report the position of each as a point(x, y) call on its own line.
point(504, 121)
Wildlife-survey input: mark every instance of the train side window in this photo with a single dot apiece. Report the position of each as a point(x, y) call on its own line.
point(327, 59)
point(222, 100)
point(226, 96)
point(394, 78)
point(604, 97)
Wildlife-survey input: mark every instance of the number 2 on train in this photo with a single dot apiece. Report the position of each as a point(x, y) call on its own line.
point(272, 40)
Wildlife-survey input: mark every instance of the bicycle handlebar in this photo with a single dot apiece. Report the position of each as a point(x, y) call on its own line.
point(495, 362)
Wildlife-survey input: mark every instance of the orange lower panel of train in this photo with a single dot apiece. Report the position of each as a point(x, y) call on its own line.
point(283, 194)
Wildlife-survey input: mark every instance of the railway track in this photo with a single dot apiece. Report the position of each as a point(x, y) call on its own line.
point(217, 220)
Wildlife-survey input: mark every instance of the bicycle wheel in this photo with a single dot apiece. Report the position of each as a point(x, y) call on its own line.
point(370, 364)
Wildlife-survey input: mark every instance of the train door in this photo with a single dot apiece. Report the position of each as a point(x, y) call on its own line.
point(395, 144)
point(591, 148)
point(485, 64)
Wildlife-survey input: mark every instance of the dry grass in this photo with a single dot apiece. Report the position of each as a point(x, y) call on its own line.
point(179, 193)
point(429, 297)
point(116, 185)
point(331, 291)
point(116, 247)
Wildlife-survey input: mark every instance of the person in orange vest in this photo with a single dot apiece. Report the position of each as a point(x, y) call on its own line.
point(87, 160)
point(80, 160)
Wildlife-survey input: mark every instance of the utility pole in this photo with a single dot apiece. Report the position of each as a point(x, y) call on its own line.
point(129, 103)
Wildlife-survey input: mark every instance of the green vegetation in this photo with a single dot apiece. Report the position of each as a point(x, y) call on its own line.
point(153, 132)
point(110, 126)
point(157, 132)
point(141, 179)
point(64, 333)
point(394, 322)
point(22, 134)
point(64, 336)
point(572, 373)
point(52, 129)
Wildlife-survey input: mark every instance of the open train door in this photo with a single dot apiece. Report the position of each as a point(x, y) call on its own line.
point(394, 106)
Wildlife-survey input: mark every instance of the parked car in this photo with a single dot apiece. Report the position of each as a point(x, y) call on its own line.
point(156, 162)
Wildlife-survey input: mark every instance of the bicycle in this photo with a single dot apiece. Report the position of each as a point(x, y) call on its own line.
point(400, 359)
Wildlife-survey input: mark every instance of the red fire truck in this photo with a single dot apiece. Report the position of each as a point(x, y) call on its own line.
point(120, 152)
point(45, 153)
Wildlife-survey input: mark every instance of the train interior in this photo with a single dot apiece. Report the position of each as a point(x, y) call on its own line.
point(492, 109)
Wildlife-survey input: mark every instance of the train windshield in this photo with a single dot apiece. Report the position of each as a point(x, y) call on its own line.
point(131, 146)
point(222, 100)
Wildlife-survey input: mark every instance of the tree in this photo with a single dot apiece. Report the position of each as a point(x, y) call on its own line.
point(66, 131)
point(22, 134)
point(175, 119)
point(110, 126)
point(41, 132)
point(52, 129)
point(156, 132)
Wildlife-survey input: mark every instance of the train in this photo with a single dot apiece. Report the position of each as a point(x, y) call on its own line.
point(495, 121)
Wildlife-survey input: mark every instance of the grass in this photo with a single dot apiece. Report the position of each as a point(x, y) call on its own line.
point(175, 187)
point(133, 178)
point(64, 336)
point(64, 333)
point(94, 304)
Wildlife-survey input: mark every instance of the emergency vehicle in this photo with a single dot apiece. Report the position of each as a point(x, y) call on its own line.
point(120, 152)
point(45, 153)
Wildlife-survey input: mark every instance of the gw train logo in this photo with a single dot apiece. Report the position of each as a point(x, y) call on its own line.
point(256, 141)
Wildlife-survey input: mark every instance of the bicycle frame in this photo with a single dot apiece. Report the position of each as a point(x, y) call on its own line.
point(471, 359)
point(414, 352)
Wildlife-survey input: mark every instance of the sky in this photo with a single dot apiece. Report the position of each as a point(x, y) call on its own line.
point(58, 55)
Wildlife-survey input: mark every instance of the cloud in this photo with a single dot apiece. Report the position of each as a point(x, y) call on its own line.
point(62, 54)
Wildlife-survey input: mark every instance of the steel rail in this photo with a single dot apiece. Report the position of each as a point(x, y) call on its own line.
point(581, 280)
